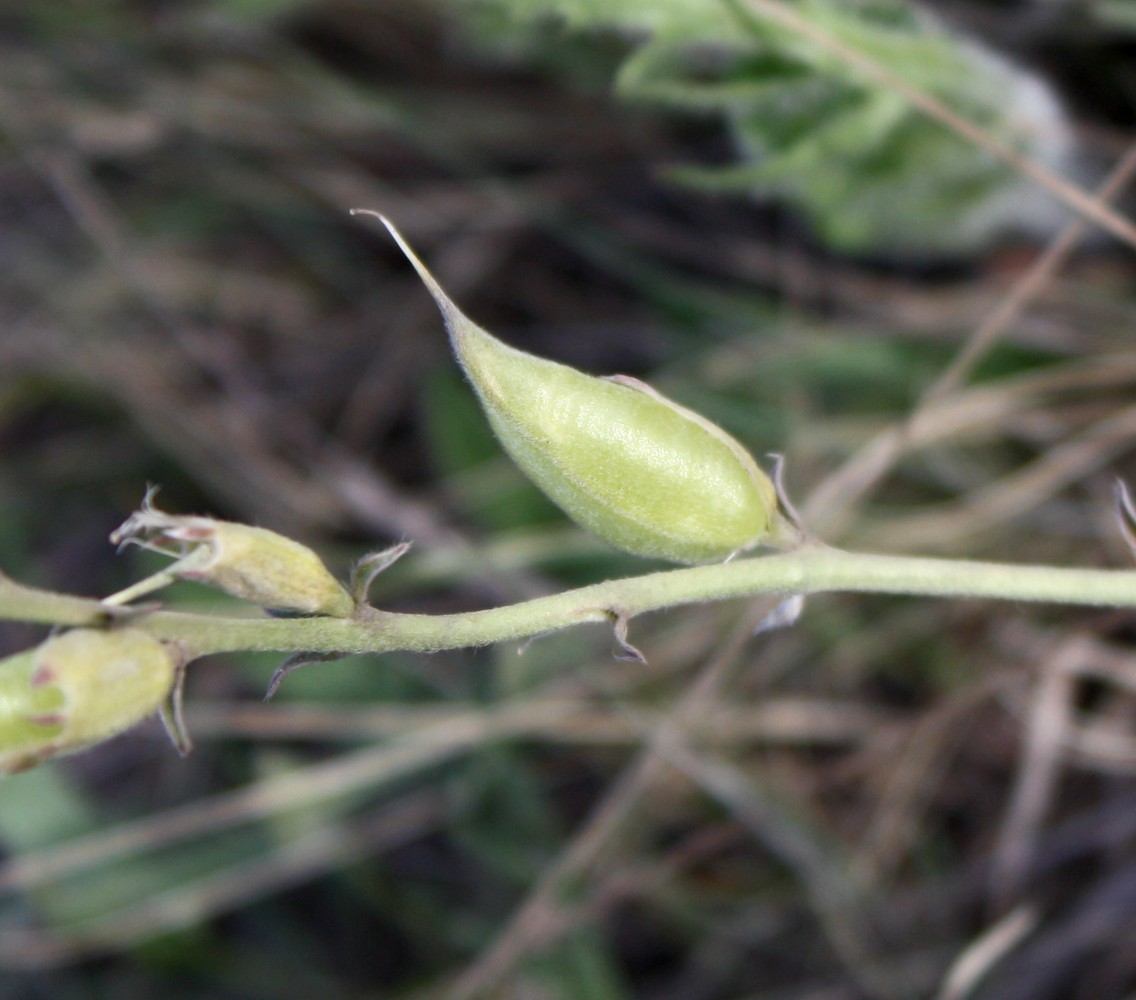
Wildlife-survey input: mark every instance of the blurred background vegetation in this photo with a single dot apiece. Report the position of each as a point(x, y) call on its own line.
point(894, 799)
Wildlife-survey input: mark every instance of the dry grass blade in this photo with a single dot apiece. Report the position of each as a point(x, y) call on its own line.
point(1126, 515)
point(829, 887)
point(772, 720)
point(1025, 289)
point(984, 953)
point(911, 765)
point(532, 924)
point(1016, 492)
point(1039, 767)
point(831, 502)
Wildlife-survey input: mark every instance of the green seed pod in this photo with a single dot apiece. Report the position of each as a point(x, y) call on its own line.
point(78, 689)
point(641, 472)
point(254, 564)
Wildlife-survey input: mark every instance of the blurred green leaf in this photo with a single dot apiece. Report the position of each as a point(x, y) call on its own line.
point(869, 172)
point(39, 809)
point(1118, 13)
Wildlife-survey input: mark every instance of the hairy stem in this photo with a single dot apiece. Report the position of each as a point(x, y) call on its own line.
point(809, 570)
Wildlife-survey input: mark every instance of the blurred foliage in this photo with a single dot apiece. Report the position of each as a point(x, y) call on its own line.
point(871, 173)
point(840, 810)
point(1117, 13)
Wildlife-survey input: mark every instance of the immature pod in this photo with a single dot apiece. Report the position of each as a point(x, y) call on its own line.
point(251, 563)
point(78, 689)
point(641, 472)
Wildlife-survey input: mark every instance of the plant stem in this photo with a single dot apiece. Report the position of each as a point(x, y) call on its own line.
point(809, 570)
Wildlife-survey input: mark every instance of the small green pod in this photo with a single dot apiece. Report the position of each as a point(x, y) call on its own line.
point(78, 689)
point(641, 472)
point(251, 563)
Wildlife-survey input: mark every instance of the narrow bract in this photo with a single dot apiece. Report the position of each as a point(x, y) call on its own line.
point(641, 472)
